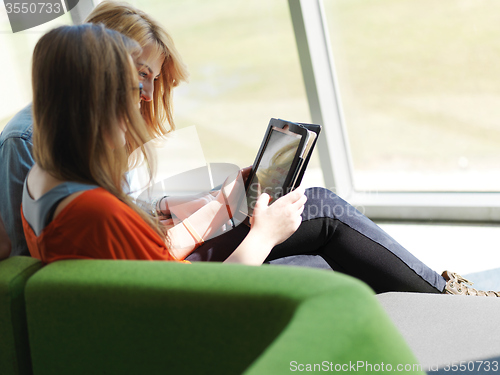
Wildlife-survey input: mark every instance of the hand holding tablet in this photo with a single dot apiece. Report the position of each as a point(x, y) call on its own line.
point(281, 161)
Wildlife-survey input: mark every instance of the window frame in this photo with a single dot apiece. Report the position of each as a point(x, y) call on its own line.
point(318, 70)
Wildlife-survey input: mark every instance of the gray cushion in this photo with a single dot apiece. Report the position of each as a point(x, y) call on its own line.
point(442, 329)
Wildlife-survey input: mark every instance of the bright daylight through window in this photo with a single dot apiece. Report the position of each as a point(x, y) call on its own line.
point(419, 85)
point(244, 70)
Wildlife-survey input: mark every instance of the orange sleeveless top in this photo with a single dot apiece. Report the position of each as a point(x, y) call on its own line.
point(96, 225)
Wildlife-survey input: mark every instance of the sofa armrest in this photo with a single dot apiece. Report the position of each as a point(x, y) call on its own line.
point(98, 316)
point(14, 346)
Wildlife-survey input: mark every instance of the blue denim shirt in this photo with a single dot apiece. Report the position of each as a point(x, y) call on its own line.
point(16, 160)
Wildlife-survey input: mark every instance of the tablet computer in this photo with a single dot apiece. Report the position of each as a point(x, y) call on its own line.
point(280, 162)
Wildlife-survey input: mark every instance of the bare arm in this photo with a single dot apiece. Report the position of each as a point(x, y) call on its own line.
point(270, 225)
point(206, 222)
point(184, 206)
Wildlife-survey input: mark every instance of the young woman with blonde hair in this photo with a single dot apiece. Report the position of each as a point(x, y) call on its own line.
point(85, 94)
point(160, 65)
point(160, 70)
point(78, 142)
point(330, 230)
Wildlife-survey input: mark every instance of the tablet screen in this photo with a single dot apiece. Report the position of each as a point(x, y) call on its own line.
point(273, 166)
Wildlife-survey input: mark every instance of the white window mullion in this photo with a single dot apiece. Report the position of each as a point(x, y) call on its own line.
point(320, 82)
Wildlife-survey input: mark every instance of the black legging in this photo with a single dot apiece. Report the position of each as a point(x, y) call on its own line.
point(334, 235)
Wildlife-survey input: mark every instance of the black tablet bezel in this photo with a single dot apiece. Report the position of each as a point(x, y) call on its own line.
point(284, 127)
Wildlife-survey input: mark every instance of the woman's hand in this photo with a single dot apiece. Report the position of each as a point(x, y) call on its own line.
point(245, 172)
point(280, 220)
point(271, 225)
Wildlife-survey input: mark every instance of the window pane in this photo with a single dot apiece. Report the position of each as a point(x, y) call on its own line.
point(420, 90)
point(15, 63)
point(244, 69)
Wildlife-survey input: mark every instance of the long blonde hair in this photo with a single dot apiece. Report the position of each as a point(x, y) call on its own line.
point(84, 87)
point(139, 26)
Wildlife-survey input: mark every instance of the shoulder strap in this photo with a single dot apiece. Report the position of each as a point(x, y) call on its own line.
point(38, 213)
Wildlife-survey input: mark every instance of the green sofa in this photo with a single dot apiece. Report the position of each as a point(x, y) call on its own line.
point(14, 347)
point(142, 317)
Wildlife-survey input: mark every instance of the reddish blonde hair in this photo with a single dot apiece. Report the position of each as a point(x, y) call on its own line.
point(139, 26)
